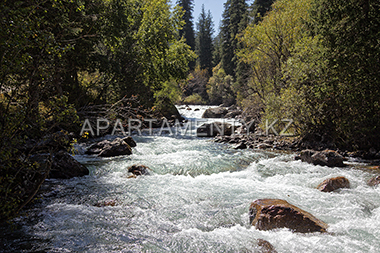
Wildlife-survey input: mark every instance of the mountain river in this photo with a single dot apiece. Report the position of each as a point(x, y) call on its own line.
point(195, 200)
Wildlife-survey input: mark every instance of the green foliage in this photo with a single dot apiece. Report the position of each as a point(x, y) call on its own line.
point(197, 82)
point(350, 33)
point(316, 62)
point(59, 56)
point(194, 99)
point(171, 90)
point(219, 87)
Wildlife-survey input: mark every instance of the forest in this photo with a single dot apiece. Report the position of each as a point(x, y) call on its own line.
point(316, 62)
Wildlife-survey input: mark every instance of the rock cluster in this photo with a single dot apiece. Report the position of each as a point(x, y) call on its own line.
point(222, 112)
point(256, 142)
point(214, 129)
point(326, 157)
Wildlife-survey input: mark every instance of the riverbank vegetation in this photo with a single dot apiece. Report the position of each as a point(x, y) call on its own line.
point(313, 61)
point(58, 56)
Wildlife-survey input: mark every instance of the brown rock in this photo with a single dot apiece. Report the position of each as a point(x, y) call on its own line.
point(267, 214)
point(374, 181)
point(332, 184)
point(218, 112)
point(327, 157)
point(265, 246)
point(305, 155)
point(138, 170)
point(106, 148)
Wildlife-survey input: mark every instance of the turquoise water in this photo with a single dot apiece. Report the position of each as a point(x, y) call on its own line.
point(195, 200)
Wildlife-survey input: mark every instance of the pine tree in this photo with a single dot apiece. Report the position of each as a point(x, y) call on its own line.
point(235, 19)
point(203, 43)
point(260, 8)
point(188, 29)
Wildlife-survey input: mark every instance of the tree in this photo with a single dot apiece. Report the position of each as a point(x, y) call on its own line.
point(204, 46)
point(259, 8)
point(234, 21)
point(188, 29)
point(219, 87)
point(58, 56)
point(350, 33)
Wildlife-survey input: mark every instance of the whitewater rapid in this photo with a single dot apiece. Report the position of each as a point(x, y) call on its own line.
point(195, 200)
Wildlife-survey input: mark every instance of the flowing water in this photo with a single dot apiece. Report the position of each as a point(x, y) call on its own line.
point(195, 200)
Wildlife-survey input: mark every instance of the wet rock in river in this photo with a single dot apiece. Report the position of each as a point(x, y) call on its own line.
point(108, 202)
point(332, 184)
point(65, 166)
point(218, 112)
point(213, 129)
point(267, 214)
point(265, 246)
point(107, 148)
point(374, 181)
point(241, 145)
point(130, 141)
point(138, 170)
point(328, 158)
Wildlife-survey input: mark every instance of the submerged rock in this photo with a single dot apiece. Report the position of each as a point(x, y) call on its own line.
point(108, 202)
point(138, 170)
point(332, 184)
point(65, 166)
point(327, 157)
point(267, 214)
point(213, 129)
point(265, 246)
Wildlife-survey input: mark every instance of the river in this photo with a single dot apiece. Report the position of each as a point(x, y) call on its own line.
point(195, 200)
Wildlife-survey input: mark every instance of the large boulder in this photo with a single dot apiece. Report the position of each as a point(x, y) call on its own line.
point(267, 214)
point(65, 166)
point(107, 148)
point(218, 112)
point(213, 129)
point(332, 184)
point(167, 109)
point(326, 157)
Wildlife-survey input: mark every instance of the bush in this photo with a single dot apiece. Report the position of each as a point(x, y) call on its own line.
point(194, 99)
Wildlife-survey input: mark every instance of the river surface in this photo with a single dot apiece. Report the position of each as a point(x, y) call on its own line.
point(195, 200)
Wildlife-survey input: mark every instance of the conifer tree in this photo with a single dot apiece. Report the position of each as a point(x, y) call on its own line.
point(260, 8)
point(188, 29)
point(204, 44)
point(235, 19)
